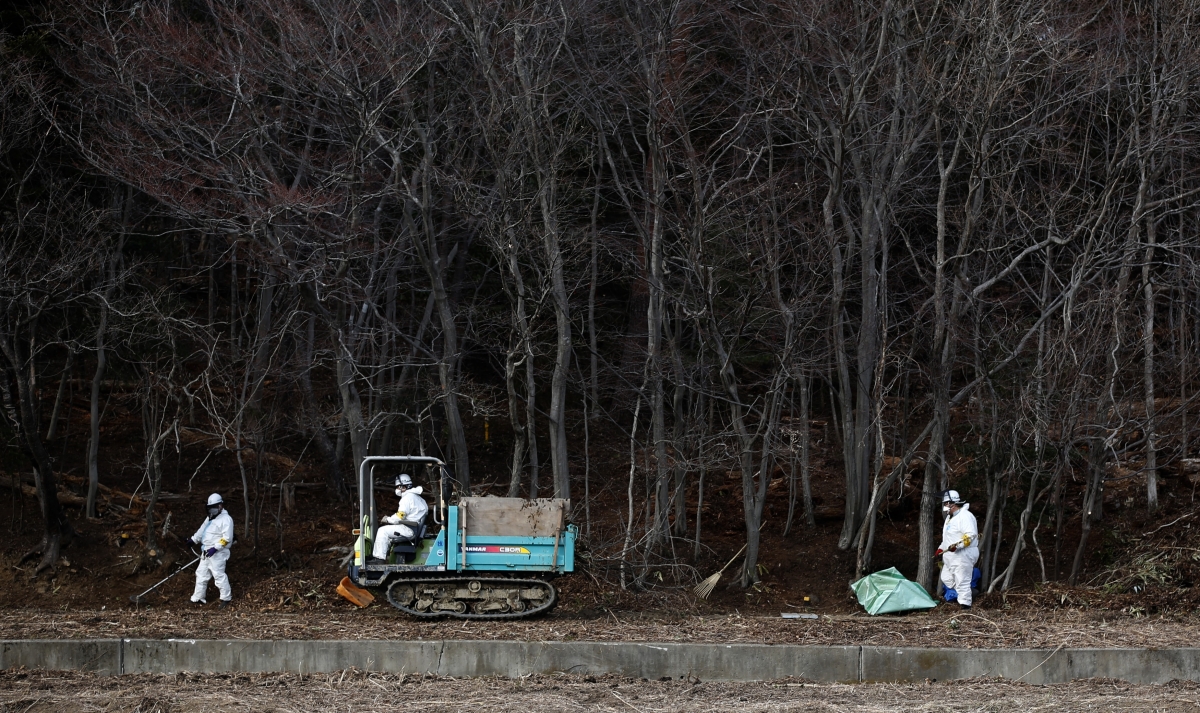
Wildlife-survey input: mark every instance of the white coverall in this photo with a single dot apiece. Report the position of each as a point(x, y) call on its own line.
point(216, 532)
point(412, 508)
point(958, 566)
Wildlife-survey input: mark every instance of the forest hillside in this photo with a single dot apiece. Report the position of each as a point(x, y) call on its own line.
point(767, 273)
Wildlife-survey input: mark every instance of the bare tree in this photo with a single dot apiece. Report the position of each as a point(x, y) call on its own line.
point(51, 244)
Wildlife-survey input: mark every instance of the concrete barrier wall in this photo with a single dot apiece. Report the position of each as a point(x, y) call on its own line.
point(708, 662)
point(102, 656)
point(907, 664)
point(1134, 665)
point(172, 655)
point(1035, 666)
point(509, 659)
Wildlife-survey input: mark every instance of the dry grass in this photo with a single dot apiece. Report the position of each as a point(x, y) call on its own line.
point(42, 692)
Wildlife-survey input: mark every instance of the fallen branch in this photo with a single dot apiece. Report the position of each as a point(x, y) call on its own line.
point(115, 494)
point(1043, 661)
point(191, 436)
point(65, 497)
point(1184, 517)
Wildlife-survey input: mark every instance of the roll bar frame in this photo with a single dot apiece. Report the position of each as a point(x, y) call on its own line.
point(366, 485)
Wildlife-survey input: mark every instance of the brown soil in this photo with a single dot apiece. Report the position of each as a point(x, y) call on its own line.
point(943, 627)
point(40, 692)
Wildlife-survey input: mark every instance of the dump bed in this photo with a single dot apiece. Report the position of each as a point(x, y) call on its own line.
point(513, 517)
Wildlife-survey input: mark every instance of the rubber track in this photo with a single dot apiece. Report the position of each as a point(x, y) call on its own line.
point(462, 581)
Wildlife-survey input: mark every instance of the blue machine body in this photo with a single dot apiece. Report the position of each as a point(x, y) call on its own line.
point(496, 553)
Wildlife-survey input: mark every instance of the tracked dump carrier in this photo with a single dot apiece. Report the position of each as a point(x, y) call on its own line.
point(475, 558)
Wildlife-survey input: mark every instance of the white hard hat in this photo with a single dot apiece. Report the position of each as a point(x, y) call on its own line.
point(951, 496)
point(405, 479)
point(215, 499)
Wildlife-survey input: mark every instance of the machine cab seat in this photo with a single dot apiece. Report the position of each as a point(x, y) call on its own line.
point(404, 549)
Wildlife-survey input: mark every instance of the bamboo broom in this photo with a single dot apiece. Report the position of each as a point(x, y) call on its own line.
point(706, 587)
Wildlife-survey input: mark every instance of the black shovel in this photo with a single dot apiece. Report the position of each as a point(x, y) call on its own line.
point(138, 598)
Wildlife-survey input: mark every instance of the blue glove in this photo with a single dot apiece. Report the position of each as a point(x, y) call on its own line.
point(194, 543)
point(210, 552)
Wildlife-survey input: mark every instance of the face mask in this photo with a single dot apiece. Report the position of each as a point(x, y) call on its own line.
point(945, 509)
point(214, 511)
point(400, 491)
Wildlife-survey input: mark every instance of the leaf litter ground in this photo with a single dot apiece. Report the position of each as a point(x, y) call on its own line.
point(42, 692)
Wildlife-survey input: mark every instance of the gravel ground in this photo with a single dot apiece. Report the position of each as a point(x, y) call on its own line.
point(942, 627)
point(43, 692)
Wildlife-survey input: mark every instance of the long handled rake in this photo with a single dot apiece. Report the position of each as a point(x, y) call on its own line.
point(138, 598)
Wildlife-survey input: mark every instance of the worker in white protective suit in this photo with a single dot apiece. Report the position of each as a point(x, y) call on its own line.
point(213, 538)
point(959, 548)
point(411, 510)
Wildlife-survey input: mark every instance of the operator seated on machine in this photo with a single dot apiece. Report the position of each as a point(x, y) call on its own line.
point(405, 525)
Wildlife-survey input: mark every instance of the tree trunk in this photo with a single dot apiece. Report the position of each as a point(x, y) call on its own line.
point(531, 439)
point(593, 278)
point(658, 532)
point(93, 448)
point(1148, 368)
point(810, 517)
point(511, 362)
point(1092, 498)
point(153, 420)
point(425, 238)
point(1039, 443)
point(56, 412)
point(335, 482)
point(703, 454)
point(356, 429)
point(637, 409)
point(557, 415)
point(940, 373)
point(22, 418)
point(525, 435)
point(677, 490)
point(1093, 505)
point(754, 484)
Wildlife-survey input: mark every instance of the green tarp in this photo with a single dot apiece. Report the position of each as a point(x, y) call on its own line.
point(888, 592)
